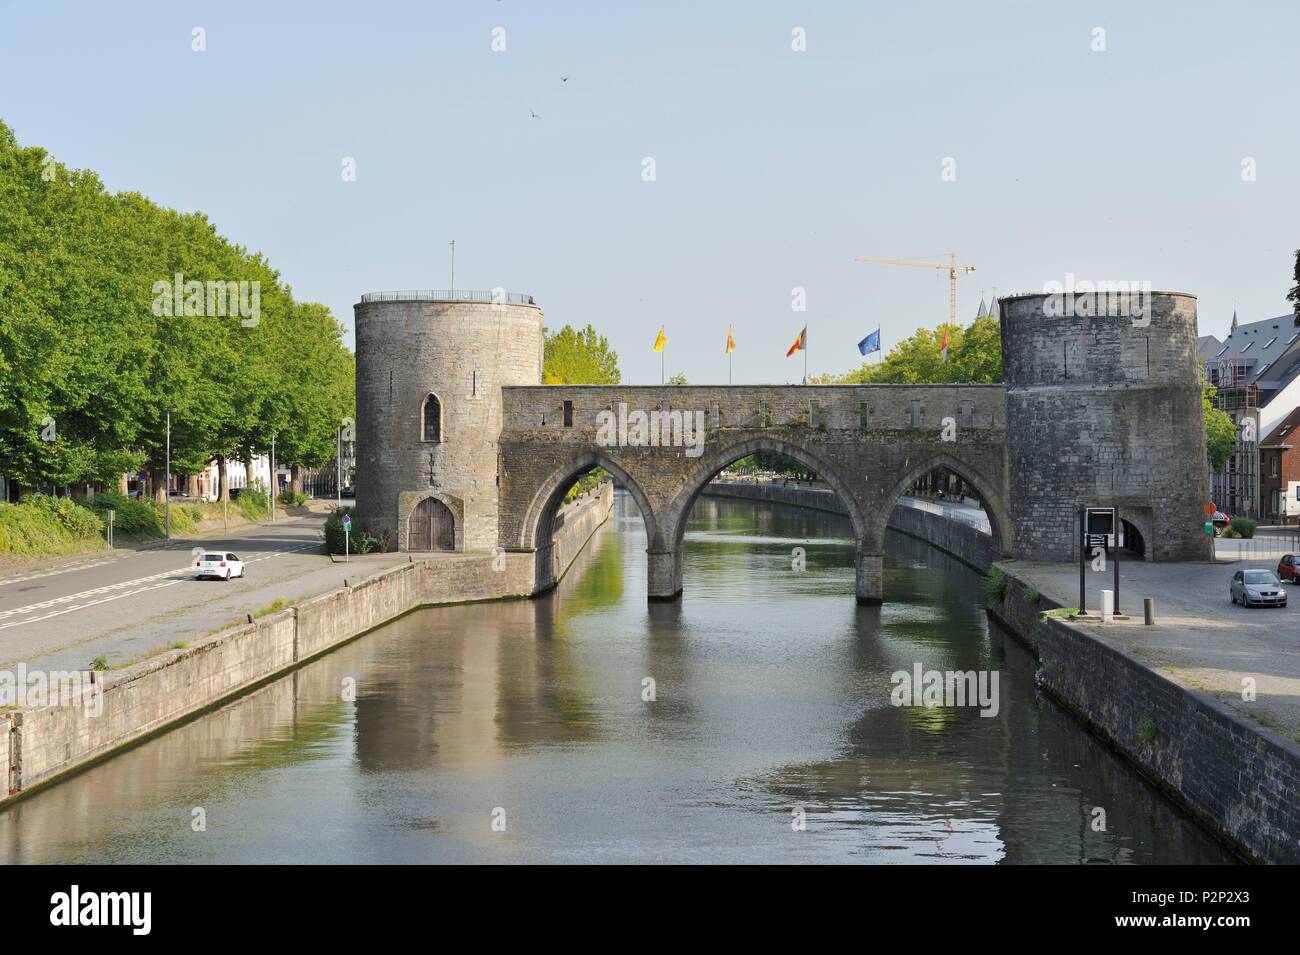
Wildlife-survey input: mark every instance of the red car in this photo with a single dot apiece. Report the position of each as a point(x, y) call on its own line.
point(1288, 569)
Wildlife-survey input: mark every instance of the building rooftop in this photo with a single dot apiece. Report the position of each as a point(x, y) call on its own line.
point(457, 295)
point(1266, 353)
point(1286, 428)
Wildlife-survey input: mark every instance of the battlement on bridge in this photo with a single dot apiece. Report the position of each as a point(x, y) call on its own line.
point(577, 409)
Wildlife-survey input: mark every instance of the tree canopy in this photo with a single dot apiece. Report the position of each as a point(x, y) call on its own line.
point(974, 355)
point(93, 355)
point(1293, 296)
point(1220, 430)
point(579, 358)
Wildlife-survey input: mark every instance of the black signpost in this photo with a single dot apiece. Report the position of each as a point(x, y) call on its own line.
point(1108, 525)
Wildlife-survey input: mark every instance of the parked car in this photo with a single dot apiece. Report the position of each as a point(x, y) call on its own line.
point(1220, 519)
point(235, 492)
point(218, 564)
point(179, 492)
point(349, 491)
point(1257, 588)
point(1287, 569)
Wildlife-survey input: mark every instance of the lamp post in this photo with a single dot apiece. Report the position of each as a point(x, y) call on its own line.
point(272, 495)
point(167, 485)
point(338, 469)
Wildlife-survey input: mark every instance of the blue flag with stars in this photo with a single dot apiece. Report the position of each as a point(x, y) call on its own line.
point(870, 343)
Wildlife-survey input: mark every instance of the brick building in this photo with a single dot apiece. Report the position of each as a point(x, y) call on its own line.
point(1256, 375)
point(1280, 470)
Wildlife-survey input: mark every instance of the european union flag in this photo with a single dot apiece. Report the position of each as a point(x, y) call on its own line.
point(870, 343)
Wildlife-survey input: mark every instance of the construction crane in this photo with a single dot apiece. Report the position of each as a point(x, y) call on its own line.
point(952, 267)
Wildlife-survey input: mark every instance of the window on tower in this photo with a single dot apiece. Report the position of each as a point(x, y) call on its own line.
point(431, 416)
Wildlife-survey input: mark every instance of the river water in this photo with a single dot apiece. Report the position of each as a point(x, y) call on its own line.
point(771, 736)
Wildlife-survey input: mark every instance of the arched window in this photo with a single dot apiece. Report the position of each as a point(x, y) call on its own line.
point(431, 419)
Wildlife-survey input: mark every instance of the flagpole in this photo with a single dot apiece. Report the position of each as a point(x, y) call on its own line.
point(805, 354)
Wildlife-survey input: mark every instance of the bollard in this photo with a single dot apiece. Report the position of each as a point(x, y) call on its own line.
point(1149, 610)
point(1107, 605)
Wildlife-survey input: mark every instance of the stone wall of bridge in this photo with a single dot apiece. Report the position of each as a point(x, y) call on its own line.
point(869, 443)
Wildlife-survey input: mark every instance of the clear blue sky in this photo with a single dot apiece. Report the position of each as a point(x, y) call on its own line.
point(774, 168)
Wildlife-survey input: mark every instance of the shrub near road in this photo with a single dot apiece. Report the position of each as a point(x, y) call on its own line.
point(48, 526)
point(359, 541)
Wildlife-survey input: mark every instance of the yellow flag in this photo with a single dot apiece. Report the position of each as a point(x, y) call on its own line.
point(731, 342)
point(661, 340)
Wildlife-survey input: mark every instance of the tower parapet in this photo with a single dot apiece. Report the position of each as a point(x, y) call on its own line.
point(1104, 409)
point(430, 366)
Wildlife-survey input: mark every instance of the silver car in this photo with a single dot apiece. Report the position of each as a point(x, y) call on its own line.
point(1257, 588)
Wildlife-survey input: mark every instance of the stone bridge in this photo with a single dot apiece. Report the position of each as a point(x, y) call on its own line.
point(665, 443)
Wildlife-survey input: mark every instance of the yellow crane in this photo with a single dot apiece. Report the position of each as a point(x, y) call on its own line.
point(952, 267)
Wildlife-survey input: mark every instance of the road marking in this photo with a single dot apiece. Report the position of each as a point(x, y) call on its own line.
point(93, 603)
point(52, 573)
point(186, 572)
point(55, 601)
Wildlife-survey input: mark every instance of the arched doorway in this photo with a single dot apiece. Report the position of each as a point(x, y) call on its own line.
point(1133, 542)
point(431, 527)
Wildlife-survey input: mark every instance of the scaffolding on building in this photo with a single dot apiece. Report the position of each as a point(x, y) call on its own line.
point(1235, 488)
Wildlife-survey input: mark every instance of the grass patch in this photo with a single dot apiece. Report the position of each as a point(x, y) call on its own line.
point(99, 664)
point(1147, 731)
point(1065, 612)
point(274, 607)
point(995, 585)
point(1031, 593)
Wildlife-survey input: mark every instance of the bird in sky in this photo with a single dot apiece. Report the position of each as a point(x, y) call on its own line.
point(564, 79)
point(533, 115)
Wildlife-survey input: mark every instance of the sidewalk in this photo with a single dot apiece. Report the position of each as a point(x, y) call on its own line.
point(1200, 639)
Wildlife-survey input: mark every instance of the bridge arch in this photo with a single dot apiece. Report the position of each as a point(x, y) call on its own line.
point(711, 463)
point(991, 494)
point(537, 527)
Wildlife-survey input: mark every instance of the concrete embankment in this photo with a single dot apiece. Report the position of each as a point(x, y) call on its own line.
point(968, 544)
point(39, 744)
point(1241, 779)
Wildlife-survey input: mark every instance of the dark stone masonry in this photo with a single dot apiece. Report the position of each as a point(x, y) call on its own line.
point(467, 450)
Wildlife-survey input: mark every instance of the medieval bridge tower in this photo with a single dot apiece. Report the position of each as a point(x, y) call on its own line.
point(430, 368)
point(461, 448)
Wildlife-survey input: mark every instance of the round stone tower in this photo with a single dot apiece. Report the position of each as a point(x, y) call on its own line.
point(1104, 409)
point(430, 366)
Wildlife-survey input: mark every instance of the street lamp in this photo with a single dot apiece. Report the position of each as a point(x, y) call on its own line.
point(273, 481)
point(167, 486)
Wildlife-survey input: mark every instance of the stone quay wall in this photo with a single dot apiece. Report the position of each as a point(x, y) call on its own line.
point(40, 744)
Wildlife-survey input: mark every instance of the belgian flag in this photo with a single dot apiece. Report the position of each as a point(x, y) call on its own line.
point(800, 343)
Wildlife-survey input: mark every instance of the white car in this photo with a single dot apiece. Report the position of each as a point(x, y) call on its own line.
point(218, 564)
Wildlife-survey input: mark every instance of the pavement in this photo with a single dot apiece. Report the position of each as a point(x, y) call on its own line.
point(127, 604)
point(963, 511)
point(1200, 639)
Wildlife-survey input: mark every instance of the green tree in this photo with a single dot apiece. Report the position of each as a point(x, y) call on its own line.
point(579, 358)
point(1293, 296)
point(974, 355)
point(92, 361)
point(678, 379)
point(1220, 430)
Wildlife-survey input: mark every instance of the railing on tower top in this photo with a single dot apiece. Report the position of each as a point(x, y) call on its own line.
point(443, 295)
